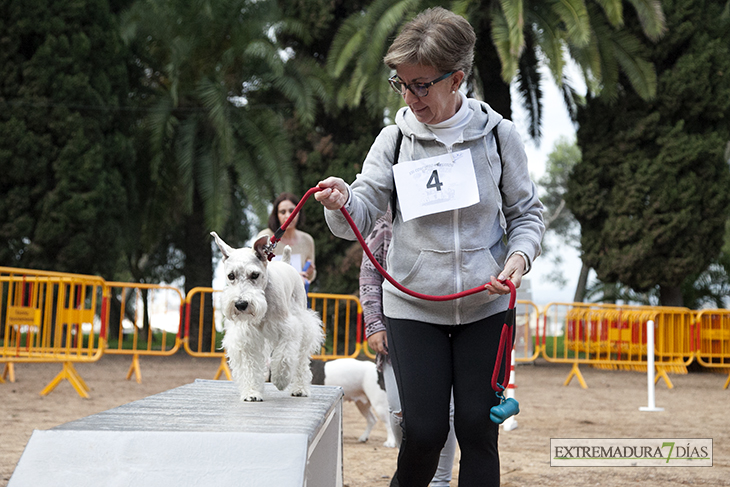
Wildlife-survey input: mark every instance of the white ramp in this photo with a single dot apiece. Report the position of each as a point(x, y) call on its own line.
point(198, 435)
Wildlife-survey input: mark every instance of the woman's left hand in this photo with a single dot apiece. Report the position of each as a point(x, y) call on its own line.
point(514, 268)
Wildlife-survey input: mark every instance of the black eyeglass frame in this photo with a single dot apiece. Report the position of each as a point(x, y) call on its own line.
point(397, 84)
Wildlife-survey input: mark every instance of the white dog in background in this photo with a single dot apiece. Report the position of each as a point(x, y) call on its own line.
point(266, 318)
point(359, 380)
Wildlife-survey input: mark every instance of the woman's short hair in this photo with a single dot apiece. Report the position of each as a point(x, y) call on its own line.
point(274, 216)
point(436, 37)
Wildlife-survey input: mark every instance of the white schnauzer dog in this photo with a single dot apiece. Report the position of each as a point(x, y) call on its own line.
point(266, 318)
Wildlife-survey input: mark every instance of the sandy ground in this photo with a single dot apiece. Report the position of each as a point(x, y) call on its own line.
point(697, 407)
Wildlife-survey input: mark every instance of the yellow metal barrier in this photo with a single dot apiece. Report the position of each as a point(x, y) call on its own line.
point(58, 317)
point(673, 342)
point(145, 318)
point(204, 327)
point(711, 340)
point(614, 337)
point(53, 318)
point(342, 324)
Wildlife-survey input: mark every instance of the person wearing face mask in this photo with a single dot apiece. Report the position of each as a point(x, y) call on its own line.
point(301, 243)
point(465, 214)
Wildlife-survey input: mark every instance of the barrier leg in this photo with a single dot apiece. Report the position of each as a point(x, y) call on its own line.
point(661, 373)
point(575, 372)
point(134, 369)
point(69, 373)
point(223, 369)
point(727, 382)
point(8, 373)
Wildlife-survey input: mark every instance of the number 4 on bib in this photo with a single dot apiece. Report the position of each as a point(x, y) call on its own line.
point(433, 181)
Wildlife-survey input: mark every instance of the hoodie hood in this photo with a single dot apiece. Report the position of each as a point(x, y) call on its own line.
point(484, 119)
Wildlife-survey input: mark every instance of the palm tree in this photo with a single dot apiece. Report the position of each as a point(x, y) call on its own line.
point(516, 35)
point(219, 85)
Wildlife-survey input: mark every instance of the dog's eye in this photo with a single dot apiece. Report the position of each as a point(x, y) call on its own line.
point(231, 277)
point(254, 276)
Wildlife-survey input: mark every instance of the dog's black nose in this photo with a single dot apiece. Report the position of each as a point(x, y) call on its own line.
point(242, 305)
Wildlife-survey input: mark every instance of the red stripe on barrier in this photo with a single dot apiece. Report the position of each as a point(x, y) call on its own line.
point(181, 323)
point(187, 321)
point(359, 333)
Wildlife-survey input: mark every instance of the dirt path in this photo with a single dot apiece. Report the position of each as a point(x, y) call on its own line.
point(697, 407)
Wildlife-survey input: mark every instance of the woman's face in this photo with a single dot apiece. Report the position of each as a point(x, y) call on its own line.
point(440, 104)
point(285, 209)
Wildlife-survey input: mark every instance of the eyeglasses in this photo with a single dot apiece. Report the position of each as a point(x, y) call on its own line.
point(418, 89)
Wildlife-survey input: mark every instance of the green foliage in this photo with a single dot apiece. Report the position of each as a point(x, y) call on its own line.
point(221, 87)
point(335, 145)
point(513, 39)
point(651, 193)
point(65, 152)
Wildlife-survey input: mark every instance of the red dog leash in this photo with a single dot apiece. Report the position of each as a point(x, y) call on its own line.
point(507, 407)
point(269, 249)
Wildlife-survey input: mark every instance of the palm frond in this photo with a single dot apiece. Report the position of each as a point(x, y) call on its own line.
point(651, 17)
point(185, 157)
point(346, 44)
point(571, 98)
point(641, 73)
point(214, 99)
point(574, 17)
point(502, 43)
point(211, 177)
point(513, 11)
point(528, 86)
point(543, 23)
point(613, 10)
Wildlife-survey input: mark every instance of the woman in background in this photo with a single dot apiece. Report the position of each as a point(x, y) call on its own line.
point(301, 243)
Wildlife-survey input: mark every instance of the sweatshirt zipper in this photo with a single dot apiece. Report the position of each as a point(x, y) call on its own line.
point(457, 257)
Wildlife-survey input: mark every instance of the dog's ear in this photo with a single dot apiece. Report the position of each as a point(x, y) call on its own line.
point(258, 247)
point(226, 249)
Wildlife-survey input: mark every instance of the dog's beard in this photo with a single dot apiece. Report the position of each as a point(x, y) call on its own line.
point(255, 310)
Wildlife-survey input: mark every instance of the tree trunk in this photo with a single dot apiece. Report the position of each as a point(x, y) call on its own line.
point(580, 289)
point(486, 60)
point(671, 296)
point(198, 273)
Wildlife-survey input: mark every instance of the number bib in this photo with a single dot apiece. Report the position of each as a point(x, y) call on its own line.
point(436, 184)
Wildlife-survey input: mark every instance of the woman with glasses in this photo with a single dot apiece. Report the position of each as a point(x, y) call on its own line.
point(466, 214)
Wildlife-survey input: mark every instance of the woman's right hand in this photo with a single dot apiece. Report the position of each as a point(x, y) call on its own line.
point(333, 195)
point(378, 342)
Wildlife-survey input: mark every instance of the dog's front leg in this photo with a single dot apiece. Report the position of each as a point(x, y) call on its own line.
point(248, 366)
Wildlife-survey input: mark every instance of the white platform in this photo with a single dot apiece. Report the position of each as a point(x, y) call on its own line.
point(198, 435)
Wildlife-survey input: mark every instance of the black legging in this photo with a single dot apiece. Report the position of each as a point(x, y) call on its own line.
point(428, 361)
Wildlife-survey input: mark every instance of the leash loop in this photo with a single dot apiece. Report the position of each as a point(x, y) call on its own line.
point(507, 406)
point(448, 297)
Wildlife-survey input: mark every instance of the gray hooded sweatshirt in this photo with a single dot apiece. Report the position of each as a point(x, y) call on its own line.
point(456, 250)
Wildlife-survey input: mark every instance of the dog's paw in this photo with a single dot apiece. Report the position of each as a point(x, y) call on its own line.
point(363, 438)
point(252, 397)
point(389, 444)
point(300, 394)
